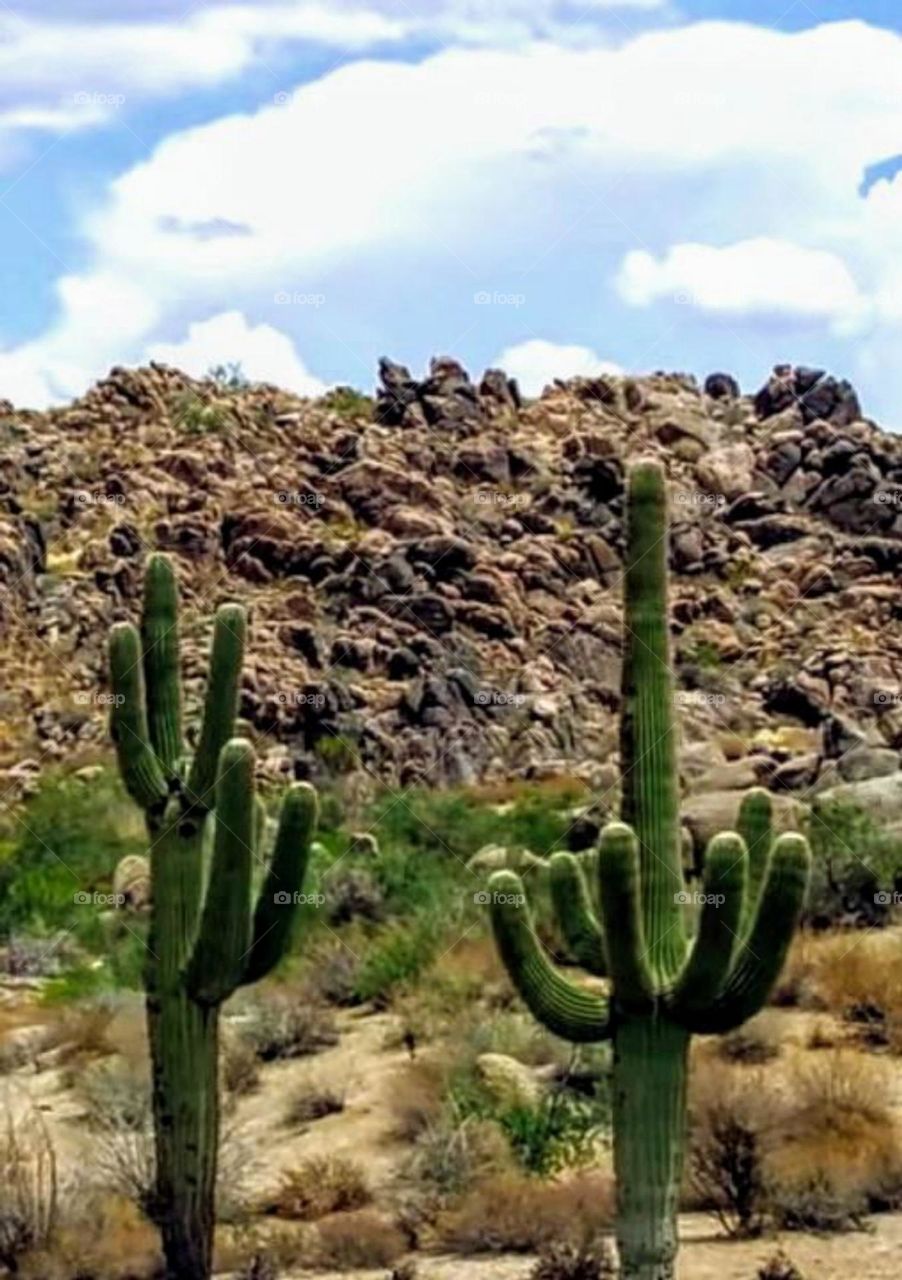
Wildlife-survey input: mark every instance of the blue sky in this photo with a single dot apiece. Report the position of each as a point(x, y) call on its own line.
point(556, 185)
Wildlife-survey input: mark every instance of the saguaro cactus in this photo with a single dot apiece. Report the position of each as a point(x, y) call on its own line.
point(203, 939)
point(664, 983)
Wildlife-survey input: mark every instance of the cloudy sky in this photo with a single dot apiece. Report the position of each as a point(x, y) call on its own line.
point(302, 186)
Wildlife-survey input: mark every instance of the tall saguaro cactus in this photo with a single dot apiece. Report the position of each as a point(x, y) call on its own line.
point(204, 941)
point(664, 984)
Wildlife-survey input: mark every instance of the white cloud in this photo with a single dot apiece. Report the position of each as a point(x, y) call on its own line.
point(758, 276)
point(536, 363)
point(381, 166)
point(264, 354)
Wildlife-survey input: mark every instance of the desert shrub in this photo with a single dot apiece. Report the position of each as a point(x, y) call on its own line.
point(779, 1267)
point(397, 956)
point(115, 1094)
point(353, 893)
point(754, 1043)
point(561, 1131)
point(568, 1262)
point(319, 1186)
point(728, 1116)
point(450, 1155)
point(516, 1214)
point(333, 974)
point(97, 1238)
point(350, 1241)
point(29, 956)
point(239, 1065)
point(854, 862)
point(29, 1187)
point(839, 1155)
point(310, 1101)
point(347, 402)
point(284, 1025)
point(861, 980)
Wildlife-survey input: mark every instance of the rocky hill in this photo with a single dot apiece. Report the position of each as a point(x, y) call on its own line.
point(434, 575)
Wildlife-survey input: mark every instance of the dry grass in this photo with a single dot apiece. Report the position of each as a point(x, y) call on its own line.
point(358, 1240)
point(107, 1239)
point(859, 978)
point(515, 1214)
point(312, 1100)
point(321, 1185)
point(813, 1145)
point(287, 1024)
point(756, 1042)
point(29, 1185)
point(840, 1151)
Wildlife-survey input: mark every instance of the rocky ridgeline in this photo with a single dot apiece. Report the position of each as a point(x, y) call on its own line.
point(434, 577)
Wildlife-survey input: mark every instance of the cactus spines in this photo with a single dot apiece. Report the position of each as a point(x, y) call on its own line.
point(204, 939)
point(664, 984)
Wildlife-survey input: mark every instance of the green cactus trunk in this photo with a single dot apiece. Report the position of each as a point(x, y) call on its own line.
point(184, 1044)
point(204, 940)
point(663, 984)
point(650, 1070)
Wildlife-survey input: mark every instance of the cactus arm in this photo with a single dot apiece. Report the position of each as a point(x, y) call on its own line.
point(565, 1009)
point(217, 961)
point(760, 958)
point(718, 934)
point(160, 642)
point(650, 803)
point(277, 902)
point(573, 908)
point(620, 884)
point(755, 825)
point(138, 765)
point(221, 702)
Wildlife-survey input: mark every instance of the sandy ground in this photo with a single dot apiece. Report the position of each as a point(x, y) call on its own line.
point(366, 1065)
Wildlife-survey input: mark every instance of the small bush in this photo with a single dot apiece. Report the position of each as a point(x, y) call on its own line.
point(566, 1262)
point(516, 1214)
point(320, 1186)
point(754, 1043)
point(353, 893)
point(239, 1065)
point(288, 1026)
point(29, 1189)
point(779, 1267)
point(334, 975)
point(398, 956)
point(363, 1239)
point(727, 1123)
point(310, 1101)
